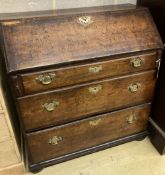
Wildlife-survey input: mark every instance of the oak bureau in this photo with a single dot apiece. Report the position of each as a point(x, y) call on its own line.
point(81, 80)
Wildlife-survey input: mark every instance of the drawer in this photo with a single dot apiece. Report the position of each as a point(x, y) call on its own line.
point(65, 139)
point(40, 81)
point(61, 106)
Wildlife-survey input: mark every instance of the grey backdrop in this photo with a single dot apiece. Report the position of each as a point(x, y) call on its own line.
point(7, 6)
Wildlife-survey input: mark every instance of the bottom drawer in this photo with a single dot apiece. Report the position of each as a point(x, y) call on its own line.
point(55, 142)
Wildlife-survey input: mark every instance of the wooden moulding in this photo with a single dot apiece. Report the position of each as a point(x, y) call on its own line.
point(72, 137)
point(66, 112)
point(28, 83)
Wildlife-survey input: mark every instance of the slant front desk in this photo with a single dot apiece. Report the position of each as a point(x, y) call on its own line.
point(82, 80)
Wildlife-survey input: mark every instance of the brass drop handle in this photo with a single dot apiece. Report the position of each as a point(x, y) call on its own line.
point(95, 89)
point(94, 123)
point(85, 21)
point(51, 106)
point(131, 119)
point(46, 79)
point(95, 69)
point(137, 62)
point(134, 87)
point(55, 140)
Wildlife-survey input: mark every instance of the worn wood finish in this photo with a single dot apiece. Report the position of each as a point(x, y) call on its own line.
point(39, 166)
point(66, 40)
point(86, 133)
point(79, 107)
point(77, 102)
point(83, 73)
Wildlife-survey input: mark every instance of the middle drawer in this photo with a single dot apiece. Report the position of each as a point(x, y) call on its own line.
point(69, 104)
point(56, 78)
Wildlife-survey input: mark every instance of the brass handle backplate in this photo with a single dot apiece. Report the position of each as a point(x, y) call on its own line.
point(134, 87)
point(95, 69)
point(94, 122)
point(51, 106)
point(137, 62)
point(46, 79)
point(55, 140)
point(95, 89)
point(131, 119)
point(85, 21)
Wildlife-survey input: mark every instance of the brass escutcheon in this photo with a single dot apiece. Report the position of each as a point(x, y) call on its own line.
point(94, 122)
point(46, 79)
point(51, 106)
point(134, 87)
point(131, 119)
point(137, 62)
point(95, 89)
point(95, 69)
point(54, 140)
point(85, 20)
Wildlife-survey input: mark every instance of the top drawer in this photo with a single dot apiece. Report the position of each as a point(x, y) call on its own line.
point(55, 78)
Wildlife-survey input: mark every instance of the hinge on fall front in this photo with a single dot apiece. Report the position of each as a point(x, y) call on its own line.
point(158, 67)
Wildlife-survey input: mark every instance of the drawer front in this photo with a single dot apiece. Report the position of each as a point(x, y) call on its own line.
point(40, 81)
point(56, 107)
point(58, 141)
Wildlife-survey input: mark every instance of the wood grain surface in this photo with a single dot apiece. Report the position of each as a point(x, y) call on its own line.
point(80, 111)
point(76, 74)
point(78, 102)
point(79, 135)
point(61, 39)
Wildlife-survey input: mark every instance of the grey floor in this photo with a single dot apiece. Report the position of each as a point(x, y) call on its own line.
point(134, 158)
